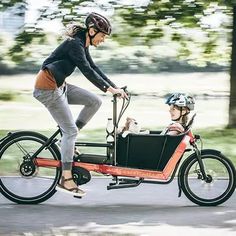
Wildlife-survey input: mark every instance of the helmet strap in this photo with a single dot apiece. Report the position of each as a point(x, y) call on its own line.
point(181, 115)
point(177, 118)
point(91, 37)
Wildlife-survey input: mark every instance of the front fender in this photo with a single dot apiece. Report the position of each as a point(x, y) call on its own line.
point(203, 152)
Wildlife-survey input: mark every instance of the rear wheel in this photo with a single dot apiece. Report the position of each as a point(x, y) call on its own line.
point(21, 181)
point(220, 182)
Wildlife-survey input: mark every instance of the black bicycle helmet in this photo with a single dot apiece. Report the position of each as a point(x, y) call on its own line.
point(181, 100)
point(99, 22)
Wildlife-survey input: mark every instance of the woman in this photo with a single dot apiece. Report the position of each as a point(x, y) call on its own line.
point(180, 106)
point(52, 90)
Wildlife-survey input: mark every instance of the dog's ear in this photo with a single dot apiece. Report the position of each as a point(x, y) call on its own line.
point(124, 128)
point(127, 124)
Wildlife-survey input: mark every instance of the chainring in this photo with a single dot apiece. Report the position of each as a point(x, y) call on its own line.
point(80, 175)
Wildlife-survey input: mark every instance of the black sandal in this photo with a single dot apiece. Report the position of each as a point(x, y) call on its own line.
point(76, 192)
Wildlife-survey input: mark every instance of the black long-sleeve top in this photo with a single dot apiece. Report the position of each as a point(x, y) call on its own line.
point(70, 54)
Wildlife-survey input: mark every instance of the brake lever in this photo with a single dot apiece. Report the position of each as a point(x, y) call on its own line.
point(126, 91)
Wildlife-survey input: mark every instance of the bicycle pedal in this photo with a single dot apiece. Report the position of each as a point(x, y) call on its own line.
point(77, 197)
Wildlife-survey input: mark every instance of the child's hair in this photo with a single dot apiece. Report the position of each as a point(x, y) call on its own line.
point(184, 117)
point(185, 120)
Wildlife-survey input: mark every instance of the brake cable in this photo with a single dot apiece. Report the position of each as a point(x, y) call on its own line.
point(124, 106)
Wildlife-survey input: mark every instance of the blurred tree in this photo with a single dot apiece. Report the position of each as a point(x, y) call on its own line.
point(10, 3)
point(179, 15)
point(174, 17)
point(18, 52)
point(143, 24)
point(232, 101)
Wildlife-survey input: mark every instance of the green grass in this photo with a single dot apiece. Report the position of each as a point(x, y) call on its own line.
point(7, 95)
point(10, 165)
point(222, 139)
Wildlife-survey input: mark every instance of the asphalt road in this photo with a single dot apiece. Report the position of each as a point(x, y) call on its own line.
point(144, 210)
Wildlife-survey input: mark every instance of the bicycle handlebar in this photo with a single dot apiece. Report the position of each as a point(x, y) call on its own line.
point(123, 108)
point(125, 90)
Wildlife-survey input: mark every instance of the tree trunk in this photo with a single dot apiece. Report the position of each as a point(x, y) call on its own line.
point(232, 99)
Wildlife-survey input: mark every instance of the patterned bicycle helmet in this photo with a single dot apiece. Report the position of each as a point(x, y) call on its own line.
point(98, 22)
point(181, 100)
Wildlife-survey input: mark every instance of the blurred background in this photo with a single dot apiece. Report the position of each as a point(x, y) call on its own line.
point(156, 48)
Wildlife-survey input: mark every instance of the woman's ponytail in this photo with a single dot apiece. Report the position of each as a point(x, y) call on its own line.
point(73, 29)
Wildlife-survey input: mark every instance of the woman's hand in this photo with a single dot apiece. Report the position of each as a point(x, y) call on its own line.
point(120, 92)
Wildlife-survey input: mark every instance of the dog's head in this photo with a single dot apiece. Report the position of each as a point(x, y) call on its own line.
point(131, 125)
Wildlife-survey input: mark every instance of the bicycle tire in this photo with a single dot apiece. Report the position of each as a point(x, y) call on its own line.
point(221, 178)
point(22, 189)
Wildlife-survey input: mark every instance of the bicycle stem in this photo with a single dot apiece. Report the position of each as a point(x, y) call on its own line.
point(115, 126)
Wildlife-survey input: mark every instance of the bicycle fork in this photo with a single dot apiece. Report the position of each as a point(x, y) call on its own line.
point(202, 173)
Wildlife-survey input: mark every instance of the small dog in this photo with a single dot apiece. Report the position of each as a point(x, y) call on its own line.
point(131, 126)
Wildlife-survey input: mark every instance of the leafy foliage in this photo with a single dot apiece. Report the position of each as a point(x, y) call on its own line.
point(159, 21)
point(10, 3)
point(22, 40)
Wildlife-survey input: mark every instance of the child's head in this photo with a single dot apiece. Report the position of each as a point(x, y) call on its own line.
point(180, 106)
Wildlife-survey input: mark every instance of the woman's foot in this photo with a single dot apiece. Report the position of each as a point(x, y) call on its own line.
point(67, 185)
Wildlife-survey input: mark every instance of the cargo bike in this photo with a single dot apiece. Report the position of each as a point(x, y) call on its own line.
point(30, 166)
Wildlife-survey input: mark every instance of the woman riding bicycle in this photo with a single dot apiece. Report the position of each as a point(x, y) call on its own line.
point(52, 90)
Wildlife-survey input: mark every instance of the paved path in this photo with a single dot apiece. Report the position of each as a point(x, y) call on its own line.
point(144, 210)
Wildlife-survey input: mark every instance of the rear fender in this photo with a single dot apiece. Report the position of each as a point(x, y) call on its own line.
point(11, 135)
point(5, 137)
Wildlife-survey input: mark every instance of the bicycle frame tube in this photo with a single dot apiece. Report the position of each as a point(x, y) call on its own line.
point(46, 144)
point(108, 145)
point(126, 171)
point(117, 170)
point(115, 124)
point(115, 127)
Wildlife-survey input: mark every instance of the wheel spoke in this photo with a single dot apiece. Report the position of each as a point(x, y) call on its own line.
point(20, 180)
point(216, 188)
point(21, 149)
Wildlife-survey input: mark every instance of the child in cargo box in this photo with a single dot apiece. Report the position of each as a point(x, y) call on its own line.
point(180, 106)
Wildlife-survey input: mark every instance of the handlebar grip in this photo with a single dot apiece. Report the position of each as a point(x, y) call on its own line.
point(125, 89)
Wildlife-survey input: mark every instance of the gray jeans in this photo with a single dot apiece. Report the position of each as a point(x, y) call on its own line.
point(57, 102)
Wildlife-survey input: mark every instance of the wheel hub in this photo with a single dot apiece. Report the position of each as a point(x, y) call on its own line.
point(209, 179)
point(28, 169)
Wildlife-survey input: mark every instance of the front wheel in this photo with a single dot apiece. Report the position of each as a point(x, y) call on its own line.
point(219, 185)
point(21, 181)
